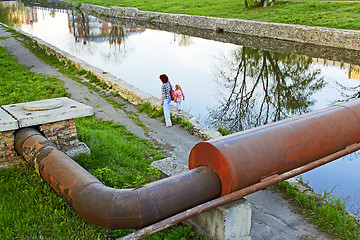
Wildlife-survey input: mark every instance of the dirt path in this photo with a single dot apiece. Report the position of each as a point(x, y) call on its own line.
point(273, 218)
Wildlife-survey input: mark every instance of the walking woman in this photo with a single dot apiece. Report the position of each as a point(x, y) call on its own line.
point(166, 98)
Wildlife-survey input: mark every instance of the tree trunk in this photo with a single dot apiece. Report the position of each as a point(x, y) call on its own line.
point(265, 3)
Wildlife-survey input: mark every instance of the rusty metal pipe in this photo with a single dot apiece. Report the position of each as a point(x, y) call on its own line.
point(245, 158)
point(239, 160)
point(114, 208)
point(180, 217)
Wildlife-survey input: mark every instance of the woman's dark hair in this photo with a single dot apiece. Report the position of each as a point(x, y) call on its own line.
point(164, 78)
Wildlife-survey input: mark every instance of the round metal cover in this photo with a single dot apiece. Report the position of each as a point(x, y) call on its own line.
point(43, 105)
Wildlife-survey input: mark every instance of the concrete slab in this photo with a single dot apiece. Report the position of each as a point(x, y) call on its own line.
point(7, 122)
point(229, 222)
point(47, 111)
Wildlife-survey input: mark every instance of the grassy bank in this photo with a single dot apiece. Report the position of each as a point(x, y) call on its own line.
point(343, 15)
point(29, 208)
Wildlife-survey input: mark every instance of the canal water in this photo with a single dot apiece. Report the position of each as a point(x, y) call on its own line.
point(230, 81)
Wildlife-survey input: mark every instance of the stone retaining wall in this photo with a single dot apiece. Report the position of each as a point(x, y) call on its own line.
point(349, 39)
point(315, 35)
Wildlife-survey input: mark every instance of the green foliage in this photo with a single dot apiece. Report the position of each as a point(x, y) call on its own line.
point(118, 157)
point(327, 213)
point(154, 173)
point(183, 123)
point(150, 110)
point(17, 84)
point(29, 209)
point(94, 79)
point(223, 130)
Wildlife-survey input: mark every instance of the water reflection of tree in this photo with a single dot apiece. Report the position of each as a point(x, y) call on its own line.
point(12, 13)
point(349, 93)
point(82, 29)
point(184, 40)
point(264, 87)
point(116, 35)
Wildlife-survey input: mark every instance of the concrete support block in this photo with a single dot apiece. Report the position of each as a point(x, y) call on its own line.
point(55, 119)
point(229, 222)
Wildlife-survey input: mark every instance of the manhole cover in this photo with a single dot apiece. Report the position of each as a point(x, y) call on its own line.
point(43, 105)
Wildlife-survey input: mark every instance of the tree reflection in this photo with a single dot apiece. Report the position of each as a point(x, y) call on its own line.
point(184, 40)
point(349, 93)
point(263, 87)
point(12, 13)
point(87, 28)
point(116, 35)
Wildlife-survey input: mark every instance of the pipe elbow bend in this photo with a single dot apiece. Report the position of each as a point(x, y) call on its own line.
point(115, 208)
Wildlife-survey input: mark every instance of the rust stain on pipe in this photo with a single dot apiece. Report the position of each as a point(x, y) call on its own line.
point(244, 158)
point(115, 208)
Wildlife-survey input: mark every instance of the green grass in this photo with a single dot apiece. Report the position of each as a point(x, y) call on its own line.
point(328, 213)
point(32, 86)
point(29, 209)
point(150, 110)
point(343, 15)
point(153, 112)
point(183, 123)
point(123, 161)
point(223, 130)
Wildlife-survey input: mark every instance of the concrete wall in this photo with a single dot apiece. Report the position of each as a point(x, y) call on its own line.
point(316, 35)
point(349, 39)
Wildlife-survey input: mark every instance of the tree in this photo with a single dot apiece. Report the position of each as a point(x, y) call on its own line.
point(264, 3)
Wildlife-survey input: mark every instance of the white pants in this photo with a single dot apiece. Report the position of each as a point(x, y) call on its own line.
point(166, 107)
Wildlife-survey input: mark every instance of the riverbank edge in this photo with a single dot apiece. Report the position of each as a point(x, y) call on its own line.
point(338, 38)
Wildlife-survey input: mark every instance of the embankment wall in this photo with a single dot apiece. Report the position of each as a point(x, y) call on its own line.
point(339, 38)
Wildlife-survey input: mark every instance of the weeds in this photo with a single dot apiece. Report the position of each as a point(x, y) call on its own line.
point(329, 215)
point(150, 110)
point(183, 123)
point(223, 130)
